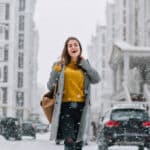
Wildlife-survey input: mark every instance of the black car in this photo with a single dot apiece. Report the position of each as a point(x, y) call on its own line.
point(41, 127)
point(10, 128)
point(124, 126)
point(28, 129)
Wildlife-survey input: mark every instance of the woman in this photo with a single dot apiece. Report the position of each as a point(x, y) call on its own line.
point(73, 74)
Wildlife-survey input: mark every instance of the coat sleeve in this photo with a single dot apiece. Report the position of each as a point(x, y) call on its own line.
point(54, 76)
point(91, 72)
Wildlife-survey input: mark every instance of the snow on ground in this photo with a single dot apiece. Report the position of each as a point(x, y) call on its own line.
point(43, 143)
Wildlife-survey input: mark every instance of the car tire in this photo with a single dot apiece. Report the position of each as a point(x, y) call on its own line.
point(6, 137)
point(19, 138)
point(57, 142)
point(103, 147)
point(140, 147)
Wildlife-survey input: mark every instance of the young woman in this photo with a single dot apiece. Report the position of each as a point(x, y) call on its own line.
point(73, 74)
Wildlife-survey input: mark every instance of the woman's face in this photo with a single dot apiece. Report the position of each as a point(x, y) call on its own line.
point(73, 49)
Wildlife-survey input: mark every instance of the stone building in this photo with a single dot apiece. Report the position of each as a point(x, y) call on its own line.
point(127, 37)
point(18, 58)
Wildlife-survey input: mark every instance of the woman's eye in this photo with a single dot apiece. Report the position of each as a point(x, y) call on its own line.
point(69, 46)
point(76, 45)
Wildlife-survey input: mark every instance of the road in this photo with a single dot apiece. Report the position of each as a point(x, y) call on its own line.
point(42, 143)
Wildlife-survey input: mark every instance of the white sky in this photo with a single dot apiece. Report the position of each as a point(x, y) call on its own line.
point(56, 20)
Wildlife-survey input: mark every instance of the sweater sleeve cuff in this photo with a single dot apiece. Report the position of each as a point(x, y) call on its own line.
point(57, 68)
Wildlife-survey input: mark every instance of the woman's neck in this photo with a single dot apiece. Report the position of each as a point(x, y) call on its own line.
point(74, 60)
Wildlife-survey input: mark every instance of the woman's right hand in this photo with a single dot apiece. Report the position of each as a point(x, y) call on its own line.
point(57, 67)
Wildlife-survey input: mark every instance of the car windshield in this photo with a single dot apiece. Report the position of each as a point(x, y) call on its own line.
point(126, 114)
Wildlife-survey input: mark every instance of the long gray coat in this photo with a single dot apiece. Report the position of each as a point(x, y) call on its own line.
point(90, 76)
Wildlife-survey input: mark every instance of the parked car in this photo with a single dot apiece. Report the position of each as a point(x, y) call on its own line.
point(41, 127)
point(28, 129)
point(124, 125)
point(10, 128)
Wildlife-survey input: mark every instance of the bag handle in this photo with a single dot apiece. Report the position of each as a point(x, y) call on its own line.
point(55, 88)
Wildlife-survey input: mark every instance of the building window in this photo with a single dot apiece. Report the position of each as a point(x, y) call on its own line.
point(20, 79)
point(4, 31)
point(124, 16)
point(2, 11)
point(6, 49)
point(1, 32)
point(21, 5)
point(20, 60)
point(4, 95)
point(103, 38)
point(103, 75)
point(103, 63)
point(103, 50)
point(5, 73)
point(1, 53)
point(124, 33)
point(148, 43)
point(1, 76)
point(4, 111)
point(136, 25)
point(124, 3)
point(0, 94)
point(21, 23)
point(7, 12)
point(21, 41)
point(19, 99)
point(19, 114)
point(4, 53)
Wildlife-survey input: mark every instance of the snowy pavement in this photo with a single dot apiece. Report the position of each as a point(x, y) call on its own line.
point(42, 143)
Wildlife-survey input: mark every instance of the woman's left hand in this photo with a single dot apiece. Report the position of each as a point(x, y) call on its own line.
point(84, 64)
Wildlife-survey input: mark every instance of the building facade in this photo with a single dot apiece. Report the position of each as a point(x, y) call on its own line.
point(131, 36)
point(18, 58)
point(98, 56)
point(128, 25)
point(132, 21)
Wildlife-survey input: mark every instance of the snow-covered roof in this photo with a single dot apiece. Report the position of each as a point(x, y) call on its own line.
point(124, 46)
point(121, 47)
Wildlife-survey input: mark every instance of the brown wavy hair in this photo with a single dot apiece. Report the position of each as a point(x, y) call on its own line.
point(65, 57)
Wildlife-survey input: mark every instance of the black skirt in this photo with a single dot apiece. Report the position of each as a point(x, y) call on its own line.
point(70, 119)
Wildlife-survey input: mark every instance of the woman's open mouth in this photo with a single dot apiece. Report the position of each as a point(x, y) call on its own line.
point(74, 51)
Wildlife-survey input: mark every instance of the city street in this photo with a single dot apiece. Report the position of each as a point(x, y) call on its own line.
point(77, 69)
point(42, 143)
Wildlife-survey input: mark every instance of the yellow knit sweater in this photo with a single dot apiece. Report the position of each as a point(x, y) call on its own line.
point(73, 83)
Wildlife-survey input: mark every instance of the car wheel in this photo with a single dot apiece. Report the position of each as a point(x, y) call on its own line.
point(141, 147)
point(103, 147)
point(18, 138)
point(102, 143)
point(57, 142)
point(6, 137)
